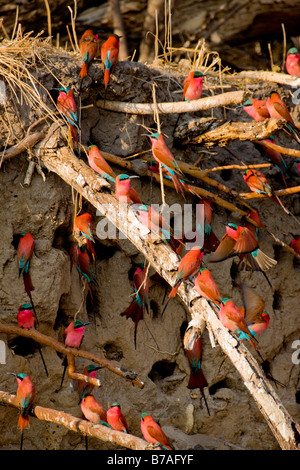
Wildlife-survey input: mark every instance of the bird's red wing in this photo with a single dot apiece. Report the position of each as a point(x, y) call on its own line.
point(281, 109)
point(254, 305)
point(246, 242)
point(224, 249)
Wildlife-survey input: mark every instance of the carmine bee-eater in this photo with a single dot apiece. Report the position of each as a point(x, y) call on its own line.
point(240, 241)
point(180, 185)
point(277, 159)
point(86, 388)
point(137, 308)
point(24, 253)
point(93, 410)
point(124, 192)
point(292, 63)
point(67, 106)
point(256, 109)
point(295, 243)
point(154, 221)
point(254, 307)
point(73, 337)
point(153, 433)
point(233, 319)
point(206, 286)
point(162, 154)
point(26, 319)
point(99, 164)
point(192, 343)
point(188, 267)
point(25, 396)
point(84, 265)
point(88, 46)
point(116, 419)
point(84, 225)
point(109, 57)
point(258, 183)
point(192, 86)
point(278, 110)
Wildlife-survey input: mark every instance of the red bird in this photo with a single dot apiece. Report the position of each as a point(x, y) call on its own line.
point(24, 253)
point(25, 396)
point(278, 110)
point(192, 343)
point(162, 154)
point(86, 388)
point(67, 106)
point(295, 243)
point(88, 46)
point(257, 109)
point(116, 419)
point(153, 433)
point(124, 192)
point(292, 63)
point(73, 337)
point(99, 164)
point(232, 318)
point(277, 159)
point(188, 267)
point(109, 57)
point(192, 86)
point(207, 287)
point(84, 225)
point(136, 309)
point(258, 183)
point(26, 319)
point(93, 410)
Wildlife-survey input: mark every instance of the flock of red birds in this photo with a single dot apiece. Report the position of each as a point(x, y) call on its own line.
point(240, 241)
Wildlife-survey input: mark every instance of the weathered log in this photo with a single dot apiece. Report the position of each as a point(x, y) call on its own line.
point(64, 163)
point(82, 426)
point(224, 99)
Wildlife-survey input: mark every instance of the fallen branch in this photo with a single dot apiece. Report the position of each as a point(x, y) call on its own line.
point(285, 151)
point(28, 142)
point(236, 167)
point(279, 192)
point(59, 347)
point(282, 78)
point(165, 261)
point(242, 131)
point(82, 426)
point(224, 99)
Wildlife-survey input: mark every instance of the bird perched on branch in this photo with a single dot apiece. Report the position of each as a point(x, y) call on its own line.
point(93, 410)
point(188, 267)
point(162, 154)
point(192, 86)
point(153, 433)
point(26, 319)
point(192, 342)
point(116, 419)
point(277, 159)
point(25, 396)
point(98, 163)
point(73, 337)
point(68, 108)
point(258, 183)
point(257, 109)
point(207, 287)
point(292, 63)
point(88, 46)
point(109, 56)
point(123, 190)
point(279, 110)
point(86, 388)
point(24, 253)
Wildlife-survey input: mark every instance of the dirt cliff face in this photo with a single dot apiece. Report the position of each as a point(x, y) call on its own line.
point(46, 209)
